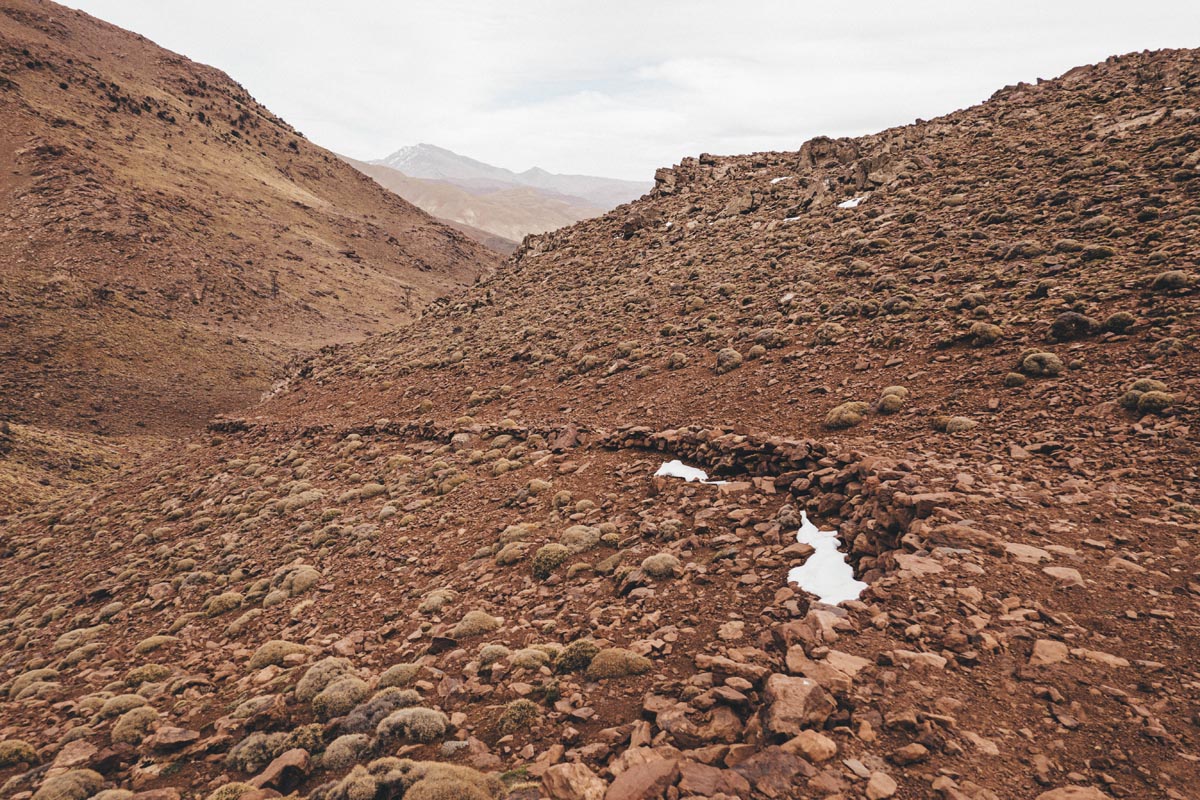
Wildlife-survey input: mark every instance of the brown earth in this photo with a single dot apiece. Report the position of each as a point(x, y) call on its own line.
point(466, 508)
point(167, 244)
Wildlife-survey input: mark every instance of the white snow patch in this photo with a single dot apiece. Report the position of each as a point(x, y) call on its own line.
point(853, 202)
point(677, 469)
point(790, 219)
point(825, 573)
point(781, 180)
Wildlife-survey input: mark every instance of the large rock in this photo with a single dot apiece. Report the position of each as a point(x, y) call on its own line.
point(572, 781)
point(793, 704)
point(286, 772)
point(775, 772)
point(645, 781)
point(705, 781)
point(1073, 793)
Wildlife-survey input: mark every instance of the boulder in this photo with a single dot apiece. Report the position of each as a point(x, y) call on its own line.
point(793, 704)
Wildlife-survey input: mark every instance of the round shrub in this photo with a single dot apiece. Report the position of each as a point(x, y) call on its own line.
point(1119, 322)
point(399, 675)
point(847, 415)
point(728, 360)
point(1170, 280)
point(985, 333)
point(274, 652)
point(518, 715)
point(475, 623)
point(340, 697)
point(16, 751)
point(1154, 402)
point(661, 565)
point(320, 675)
point(1042, 365)
point(576, 656)
point(345, 751)
point(135, 725)
point(617, 662)
point(547, 559)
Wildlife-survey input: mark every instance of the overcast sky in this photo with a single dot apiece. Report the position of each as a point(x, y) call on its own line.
point(621, 87)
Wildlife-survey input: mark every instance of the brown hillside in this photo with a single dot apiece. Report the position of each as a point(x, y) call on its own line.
point(446, 544)
point(166, 243)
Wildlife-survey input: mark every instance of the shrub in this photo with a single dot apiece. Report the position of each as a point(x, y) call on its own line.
point(16, 751)
point(436, 600)
point(547, 559)
point(147, 673)
point(985, 333)
point(417, 723)
point(529, 658)
point(954, 424)
point(256, 751)
point(728, 360)
point(661, 565)
point(401, 674)
point(1042, 365)
point(518, 715)
point(1169, 280)
point(847, 415)
point(76, 784)
point(27, 679)
point(274, 652)
point(576, 656)
point(1154, 402)
point(231, 791)
point(579, 538)
point(365, 717)
point(320, 675)
point(475, 623)
point(306, 737)
point(1014, 379)
point(116, 706)
point(223, 603)
point(133, 726)
point(617, 662)
point(1072, 325)
point(1119, 322)
point(340, 697)
point(344, 751)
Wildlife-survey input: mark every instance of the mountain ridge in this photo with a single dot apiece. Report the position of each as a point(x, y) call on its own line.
point(438, 163)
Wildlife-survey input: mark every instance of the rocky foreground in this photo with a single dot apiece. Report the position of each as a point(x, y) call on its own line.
point(438, 564)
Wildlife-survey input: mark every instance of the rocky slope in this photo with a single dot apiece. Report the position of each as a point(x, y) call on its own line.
point(167, 244)
point(437, 563)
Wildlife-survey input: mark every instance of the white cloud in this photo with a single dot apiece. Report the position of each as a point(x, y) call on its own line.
point(622, 87)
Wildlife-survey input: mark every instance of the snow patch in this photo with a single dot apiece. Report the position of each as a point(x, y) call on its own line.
point(677, 469)
point(781, 180)
point(825, 573)
point(853, 202)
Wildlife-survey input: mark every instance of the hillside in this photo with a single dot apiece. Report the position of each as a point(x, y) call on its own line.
point(167, 244)
point(438, 563)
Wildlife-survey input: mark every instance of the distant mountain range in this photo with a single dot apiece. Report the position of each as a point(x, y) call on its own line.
point(498, 202)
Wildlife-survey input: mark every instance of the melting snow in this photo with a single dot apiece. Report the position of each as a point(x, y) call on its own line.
point(781, 180)
point(677, 469)
point(825, 573)
point(852, 202)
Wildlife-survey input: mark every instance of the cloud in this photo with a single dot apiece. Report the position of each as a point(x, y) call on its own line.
point(622, 87)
